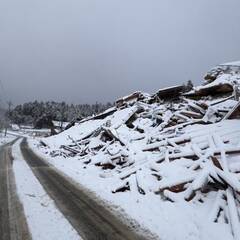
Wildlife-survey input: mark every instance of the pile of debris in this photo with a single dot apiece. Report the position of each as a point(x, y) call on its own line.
point(221, 80)
point(180, 143)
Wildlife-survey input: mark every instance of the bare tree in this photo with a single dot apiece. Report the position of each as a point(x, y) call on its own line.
point(63, 112)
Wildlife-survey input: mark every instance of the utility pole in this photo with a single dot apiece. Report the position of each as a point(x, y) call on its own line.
point(9, 103)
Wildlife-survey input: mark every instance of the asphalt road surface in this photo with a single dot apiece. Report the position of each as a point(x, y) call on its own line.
point(13, 224)
point(91, 220)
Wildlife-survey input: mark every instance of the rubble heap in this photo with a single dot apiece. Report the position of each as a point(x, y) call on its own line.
point(180, 144)
point(220, 80)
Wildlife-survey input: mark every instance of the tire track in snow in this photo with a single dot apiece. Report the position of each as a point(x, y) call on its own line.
point(13, 224)
point(92, 221)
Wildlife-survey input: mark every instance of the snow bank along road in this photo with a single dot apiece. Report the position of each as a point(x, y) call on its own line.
point(12, 220)
point(90, 219)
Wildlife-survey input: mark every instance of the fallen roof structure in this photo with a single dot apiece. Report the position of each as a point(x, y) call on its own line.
point(183, 150)
point(170, 92)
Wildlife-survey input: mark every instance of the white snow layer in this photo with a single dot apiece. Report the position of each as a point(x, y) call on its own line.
point(135, 150)
point(45, 221)
point(178, 220)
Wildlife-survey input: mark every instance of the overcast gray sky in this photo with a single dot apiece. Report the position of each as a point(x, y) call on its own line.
point(96, 50)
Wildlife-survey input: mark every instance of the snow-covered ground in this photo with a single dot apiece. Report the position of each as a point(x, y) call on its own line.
point(168, 165)
point(191, 220)
point(6, 139)
point(44, 220)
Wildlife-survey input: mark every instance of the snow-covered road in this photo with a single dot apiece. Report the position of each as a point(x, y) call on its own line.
point(52, 206)
point(90, 219)
point(44, 219)
point(12, 219)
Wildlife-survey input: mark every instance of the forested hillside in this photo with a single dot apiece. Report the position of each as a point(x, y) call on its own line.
point(28, 113)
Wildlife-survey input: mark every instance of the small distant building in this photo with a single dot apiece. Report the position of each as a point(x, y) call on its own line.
point(15, 127)
point(60, 125)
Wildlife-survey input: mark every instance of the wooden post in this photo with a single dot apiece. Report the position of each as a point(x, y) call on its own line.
point(237, 92)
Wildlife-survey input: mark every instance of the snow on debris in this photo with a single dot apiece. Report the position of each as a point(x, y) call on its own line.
point(177, 152)
point(236, 63)
point(222, 79)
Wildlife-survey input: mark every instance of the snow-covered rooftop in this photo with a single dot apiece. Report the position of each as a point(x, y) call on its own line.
point(235, 63)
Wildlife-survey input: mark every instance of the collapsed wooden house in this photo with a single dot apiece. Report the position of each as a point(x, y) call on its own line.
point(182, 150)
point(225, 68)
point(219, 80)
point(216, 89)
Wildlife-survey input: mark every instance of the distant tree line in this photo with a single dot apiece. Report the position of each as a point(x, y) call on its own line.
point(29, 113)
